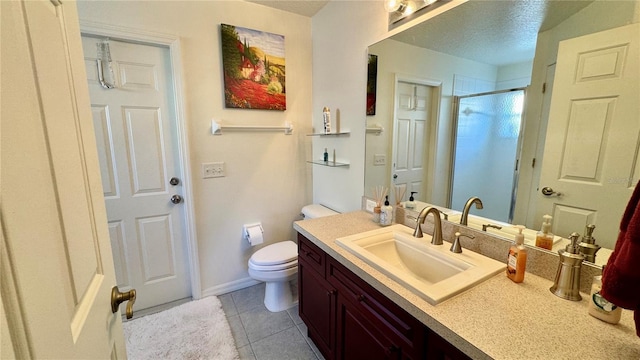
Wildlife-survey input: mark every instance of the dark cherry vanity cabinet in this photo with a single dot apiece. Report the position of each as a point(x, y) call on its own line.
point(349, 319)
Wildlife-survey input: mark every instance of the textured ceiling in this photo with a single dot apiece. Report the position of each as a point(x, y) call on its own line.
point(301, 7)
point(494, 32)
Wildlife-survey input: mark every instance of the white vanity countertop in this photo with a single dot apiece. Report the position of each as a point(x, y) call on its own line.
point(496, 319)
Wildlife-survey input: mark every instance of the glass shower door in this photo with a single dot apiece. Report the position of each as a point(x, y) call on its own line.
point(486, 149)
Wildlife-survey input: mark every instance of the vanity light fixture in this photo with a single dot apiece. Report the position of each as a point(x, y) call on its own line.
point(401, 9)
point(404, 7)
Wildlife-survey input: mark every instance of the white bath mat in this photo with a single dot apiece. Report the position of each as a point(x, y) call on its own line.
point(194, 330)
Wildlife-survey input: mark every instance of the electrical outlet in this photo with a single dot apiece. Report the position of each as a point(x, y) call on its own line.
point(379, 159)
point(370, 205)
point(213, 170)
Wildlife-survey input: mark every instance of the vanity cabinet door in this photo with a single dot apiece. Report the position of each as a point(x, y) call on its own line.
point(358, 338)
point(317, 300)
point(403, 329)
point(440, 349)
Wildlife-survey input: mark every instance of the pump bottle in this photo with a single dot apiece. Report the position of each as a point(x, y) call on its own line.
point(517, 259)
point(386, 213)
point(411, 204)
point(326, 118)
point(544, 237)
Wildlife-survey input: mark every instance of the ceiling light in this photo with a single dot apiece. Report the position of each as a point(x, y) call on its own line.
point(404, 7)
point(393, 5)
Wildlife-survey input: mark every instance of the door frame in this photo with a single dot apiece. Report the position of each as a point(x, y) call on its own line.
point(91, 28)
point(433, 126)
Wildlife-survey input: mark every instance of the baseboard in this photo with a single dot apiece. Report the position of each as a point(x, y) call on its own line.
point(229, 287)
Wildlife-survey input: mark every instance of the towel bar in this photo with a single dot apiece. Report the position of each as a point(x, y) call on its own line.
point(216, 128)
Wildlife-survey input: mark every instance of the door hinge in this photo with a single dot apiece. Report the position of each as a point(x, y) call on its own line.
point(517, 162)
point(544, 87)
point(533, 162)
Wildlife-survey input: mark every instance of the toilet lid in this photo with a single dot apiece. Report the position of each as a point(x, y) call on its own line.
point(316, 210)
point(278, 253)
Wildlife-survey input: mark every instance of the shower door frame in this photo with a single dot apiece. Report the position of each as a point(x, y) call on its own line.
point(454, 140)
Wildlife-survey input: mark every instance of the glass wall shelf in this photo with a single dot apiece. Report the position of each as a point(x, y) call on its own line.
point(330, 134)
point(328, 163)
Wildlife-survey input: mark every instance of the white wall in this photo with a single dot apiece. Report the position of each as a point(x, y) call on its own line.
point(267, 179)
point(341, 32)
point(514, 75)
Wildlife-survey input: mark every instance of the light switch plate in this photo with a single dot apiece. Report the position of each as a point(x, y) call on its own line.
point(379, 159)
point(370, 205)
point(213, 170)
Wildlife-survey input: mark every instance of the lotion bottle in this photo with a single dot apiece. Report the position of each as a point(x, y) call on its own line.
point(544, 237)
point(411, 203)
point(326, 118)
point(386, 213)
point(517, 260)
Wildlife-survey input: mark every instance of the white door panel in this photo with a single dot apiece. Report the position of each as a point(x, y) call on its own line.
point(591, 151)
point(52, 211)
point(138, 157)
point(145, 150)
point(106, 154)
point(410, 134)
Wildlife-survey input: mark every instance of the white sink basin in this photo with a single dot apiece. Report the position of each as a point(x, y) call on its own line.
point(430, 271)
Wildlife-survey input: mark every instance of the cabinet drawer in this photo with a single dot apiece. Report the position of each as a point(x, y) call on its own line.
point(312, 255)
point(370, 301)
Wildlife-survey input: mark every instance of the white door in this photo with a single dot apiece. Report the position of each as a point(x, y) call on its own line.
point(591, 152)
point(57, 269)
point(137, 146)
point(410, 135)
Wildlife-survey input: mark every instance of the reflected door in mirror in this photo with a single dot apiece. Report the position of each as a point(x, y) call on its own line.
point(593, 133)
point(410, 133)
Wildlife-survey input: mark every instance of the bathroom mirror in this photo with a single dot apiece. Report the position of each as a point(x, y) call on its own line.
point(473, 48)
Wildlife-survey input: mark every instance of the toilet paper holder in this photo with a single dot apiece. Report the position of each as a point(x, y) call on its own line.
point(246, 227)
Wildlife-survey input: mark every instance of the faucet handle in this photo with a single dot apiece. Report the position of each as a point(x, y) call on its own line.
point(456, 247)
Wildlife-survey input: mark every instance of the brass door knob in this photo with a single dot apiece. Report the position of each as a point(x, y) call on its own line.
point(118, 298)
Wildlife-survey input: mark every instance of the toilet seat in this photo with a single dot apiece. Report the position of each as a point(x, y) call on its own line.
point(278, 267)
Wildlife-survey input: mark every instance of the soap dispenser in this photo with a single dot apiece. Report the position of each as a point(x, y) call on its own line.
point(411, 204)
point(588, 246)
point(544, 237)
point(567, 282)
point(386, 213)
point(517, 260)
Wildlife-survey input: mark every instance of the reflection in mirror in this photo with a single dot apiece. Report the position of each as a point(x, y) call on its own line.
point(482, 46)
point(486, 138)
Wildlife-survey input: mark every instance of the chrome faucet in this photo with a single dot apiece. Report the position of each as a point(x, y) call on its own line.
point(465, 211)
point(436, 239)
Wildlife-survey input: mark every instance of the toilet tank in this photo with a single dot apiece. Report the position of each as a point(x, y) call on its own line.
point(316, 210)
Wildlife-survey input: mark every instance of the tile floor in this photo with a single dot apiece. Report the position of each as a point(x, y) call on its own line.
point(263, 335)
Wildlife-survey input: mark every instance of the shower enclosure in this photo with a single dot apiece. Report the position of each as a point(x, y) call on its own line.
point(486, 150)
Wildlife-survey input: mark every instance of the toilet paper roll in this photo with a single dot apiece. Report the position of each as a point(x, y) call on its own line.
point(254, 235)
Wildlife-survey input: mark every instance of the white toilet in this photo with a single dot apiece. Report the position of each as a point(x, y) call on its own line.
point(277, 265)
